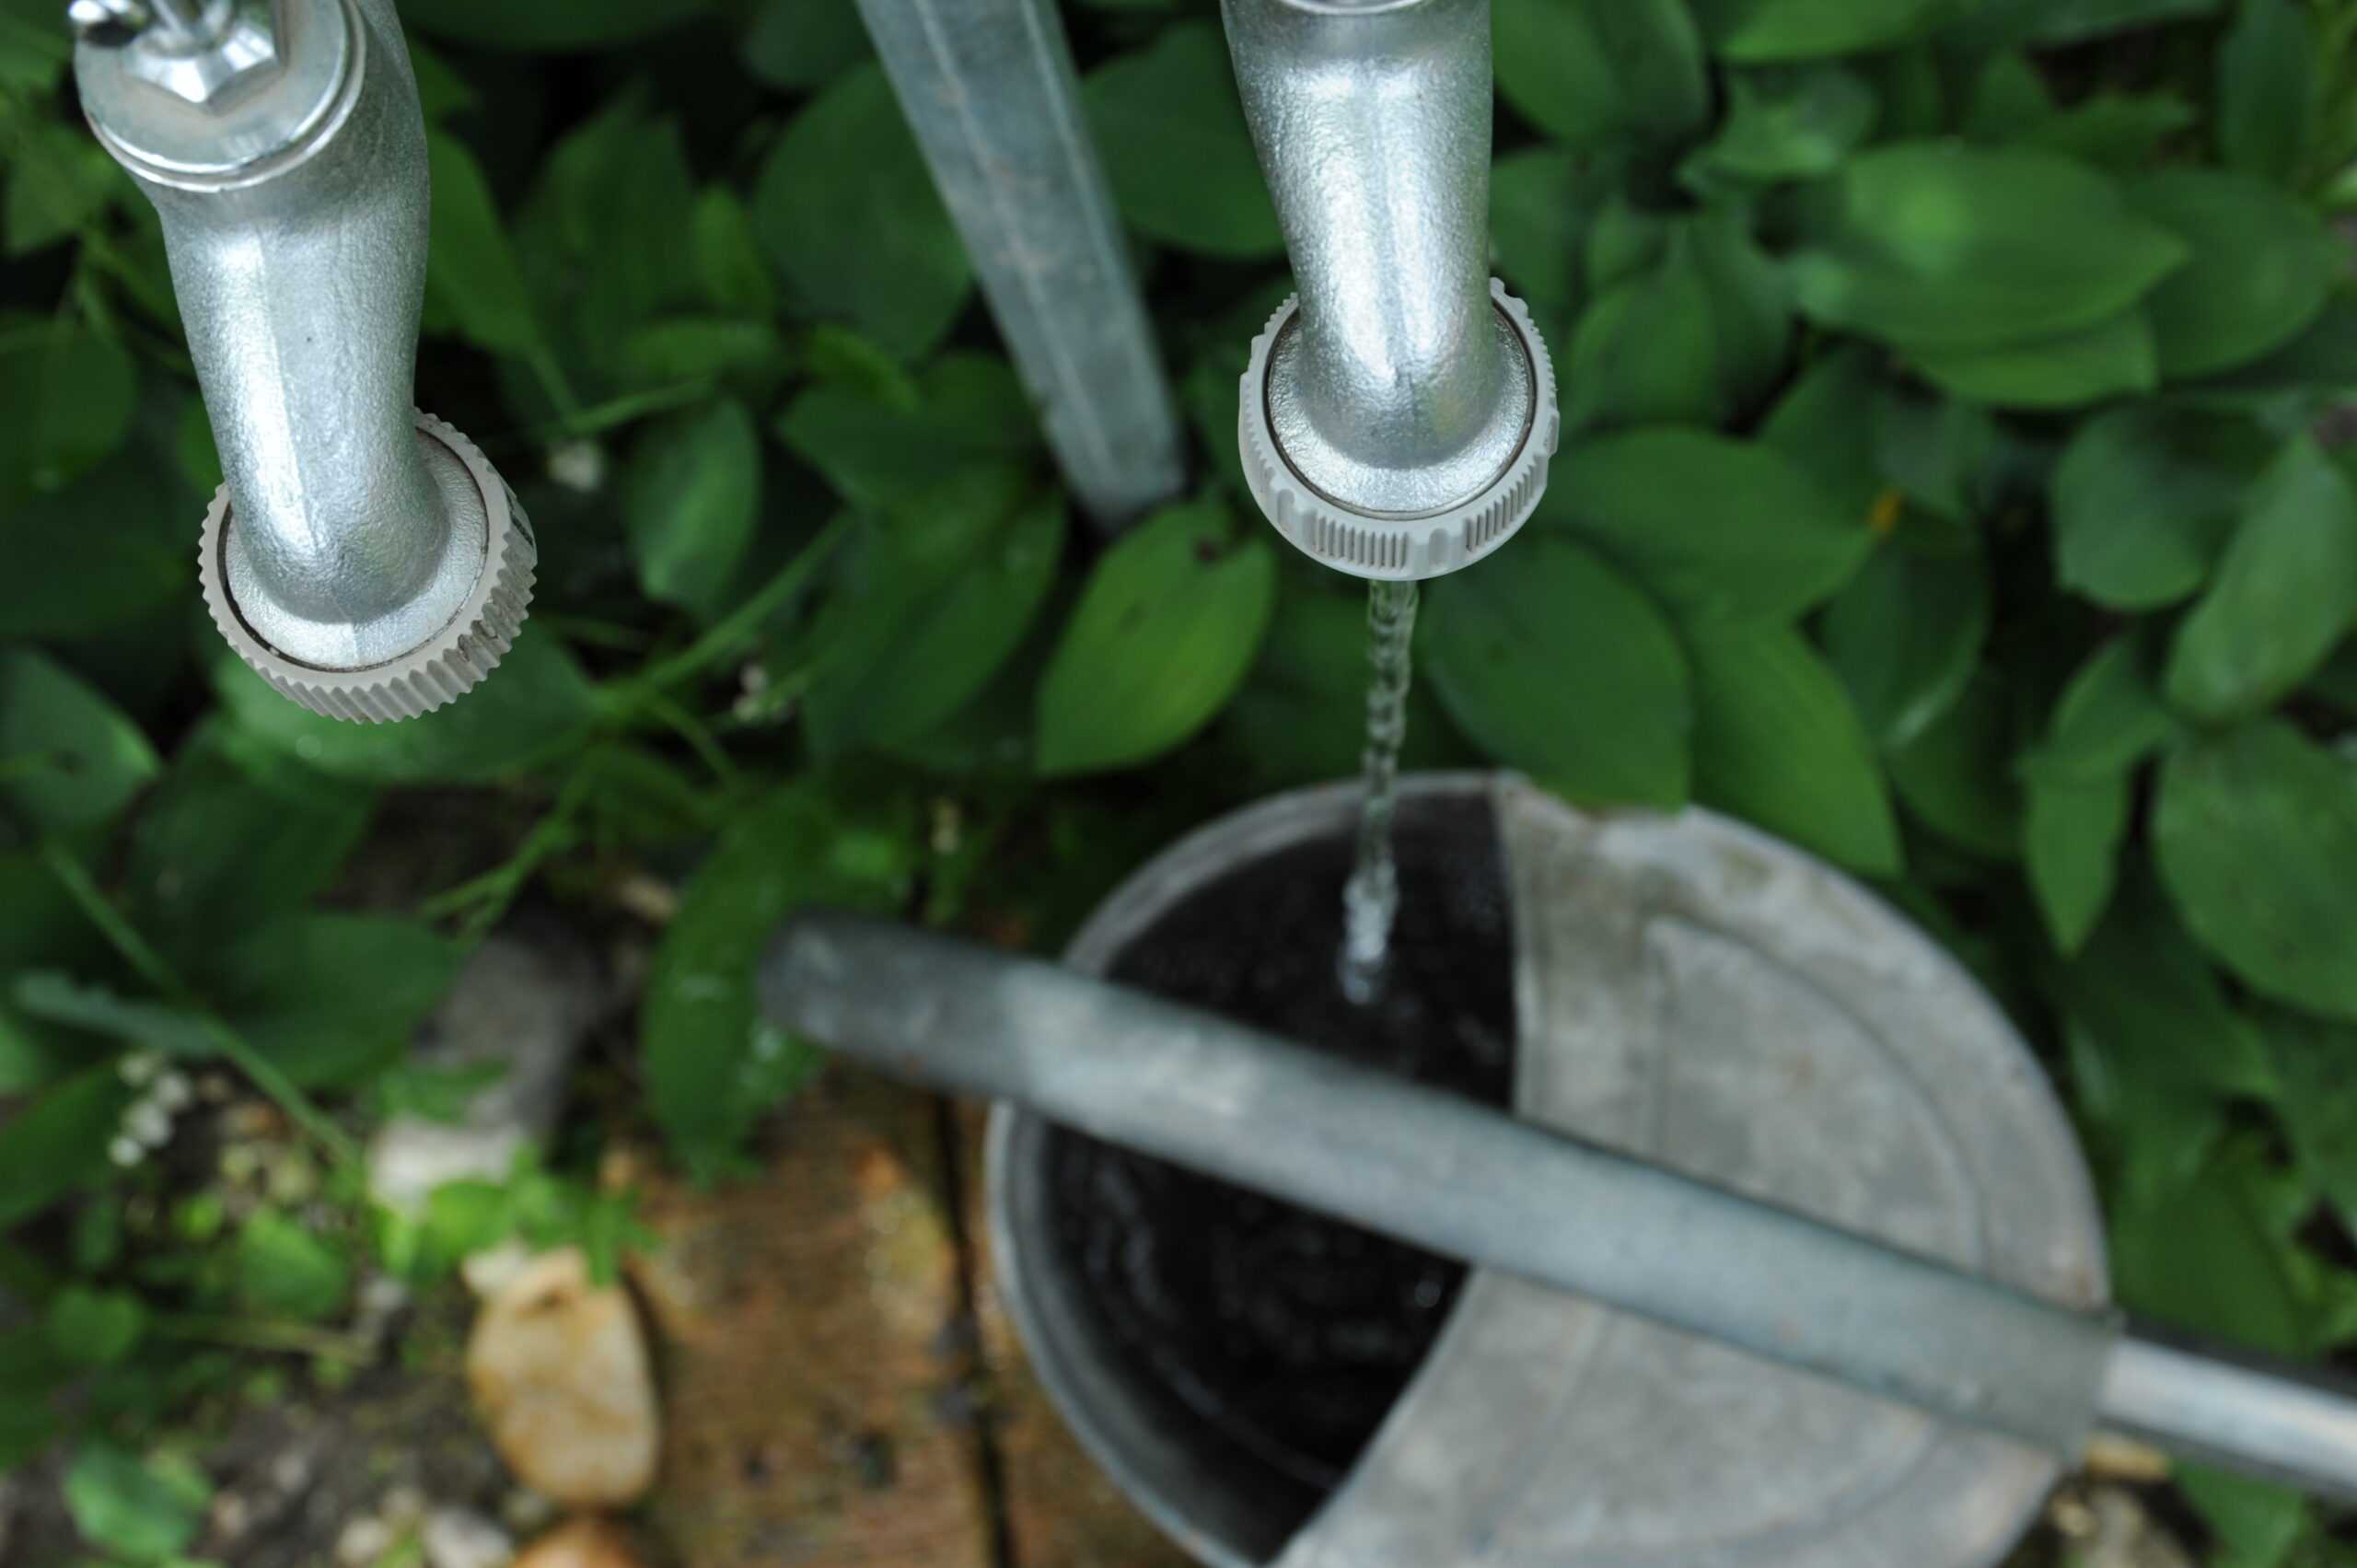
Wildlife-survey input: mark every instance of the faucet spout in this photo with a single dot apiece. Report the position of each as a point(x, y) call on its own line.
point(1399, 413)
point(363, 557)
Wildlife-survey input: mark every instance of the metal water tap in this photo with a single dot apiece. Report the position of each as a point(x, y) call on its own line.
point(1399, 413)
point(361, 557)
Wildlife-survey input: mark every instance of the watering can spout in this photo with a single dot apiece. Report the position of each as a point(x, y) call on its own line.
point(363, 557)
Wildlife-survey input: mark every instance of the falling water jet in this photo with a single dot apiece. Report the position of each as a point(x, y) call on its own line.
point(1371, 897)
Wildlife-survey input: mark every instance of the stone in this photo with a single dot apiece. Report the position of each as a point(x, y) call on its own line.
point(559, 1369)
point(524, 1003)
point(456, 1538)
point(583, 1543)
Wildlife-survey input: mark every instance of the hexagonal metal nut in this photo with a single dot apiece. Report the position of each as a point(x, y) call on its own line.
point(245, 47)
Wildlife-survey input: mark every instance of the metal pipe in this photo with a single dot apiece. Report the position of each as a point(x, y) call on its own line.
point(988, 86)
point(363, 558)
point(1441, 1172)
point(1458, 1178)
point(1399, 418)
point(2276, 1423)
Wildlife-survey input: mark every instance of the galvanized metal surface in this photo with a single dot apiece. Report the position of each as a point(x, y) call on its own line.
point(294, 211)
point(989, 87)
point(1399, 416)
point(2279, 1422)
point(1703, 997)
point(1693, 994)
point(1513, 1196)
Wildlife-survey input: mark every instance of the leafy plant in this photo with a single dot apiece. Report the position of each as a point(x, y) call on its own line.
point(1949, 485)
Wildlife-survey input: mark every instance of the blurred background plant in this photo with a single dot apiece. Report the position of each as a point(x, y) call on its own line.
point(1955, 482)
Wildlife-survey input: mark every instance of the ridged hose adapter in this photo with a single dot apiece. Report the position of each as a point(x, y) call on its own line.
point(364, 558)
point(1399, 415)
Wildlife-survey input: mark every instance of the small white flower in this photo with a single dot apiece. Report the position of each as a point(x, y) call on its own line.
point(140, 1068)
point(174, 1092)
point(148, 1122)
point(125, 1151)
point(579, 465)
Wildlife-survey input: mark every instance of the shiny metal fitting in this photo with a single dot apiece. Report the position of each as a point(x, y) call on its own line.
point(1400, 413)
point(366, 560)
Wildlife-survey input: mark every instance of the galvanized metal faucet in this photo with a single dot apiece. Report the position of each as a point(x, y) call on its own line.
point(361, 557)
point(1400, 412)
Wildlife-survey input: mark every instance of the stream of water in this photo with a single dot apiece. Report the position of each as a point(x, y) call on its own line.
point(1371, 897)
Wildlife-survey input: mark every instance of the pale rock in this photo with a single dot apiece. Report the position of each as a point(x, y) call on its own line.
point(559, 1369)
point(584, 1543)
point(523, 1005)
point(453, 1537)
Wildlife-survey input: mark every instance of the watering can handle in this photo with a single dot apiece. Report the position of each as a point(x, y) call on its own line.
point(1473, 1183)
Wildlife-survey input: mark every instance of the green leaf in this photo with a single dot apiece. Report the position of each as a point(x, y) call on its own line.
point(623, 171)
point(1541, 202)
point(930, 605)
point(1644, 350)
point(2120, 132)
point(2203, 1259)
point(1776, 742)
point(2071, 836)
point(1940, 454)
point(2069, 370)
point(2140, 985)
point(283, 1270)
point(531, 28)
point(1593, 72)
point(57, 1145)
point(2284, 594)
point(67, 398)
point(131, 1509)
point(326, 997)
point(796, 45)
point(109, 549)
point(2267, 97)
point(2320, 362)
point(2317, 1060)
point(1760, 30)
point(1168, 625)
point(711, 1066)
point(1905, 636)
point(2258, 1522)
point(1954, 777)
point(725, 256)
point(2256, 835)
point(1499, 641)
point(69, 759)
point(1949, 246)
point(1715, 528)
point(60, 180)
point(878, 448)
point(2144, 497)
point(1301, 718)
point(1817, 423)
point(1176, 151)
point(2004, 24)
point(849, 215)
point(690, 502)
point(86, 1326)
point(236, 833)
point(535, 705)
point(699, 348)
point(1786, 123)
point(2262, 266)
point(2109, 717)
point(144, 1026)
point(473, 278)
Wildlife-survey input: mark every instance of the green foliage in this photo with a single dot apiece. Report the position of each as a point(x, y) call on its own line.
point(1942, 487)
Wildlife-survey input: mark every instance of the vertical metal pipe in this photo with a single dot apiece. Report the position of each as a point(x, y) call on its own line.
point(1371, 118)
point(989, 87)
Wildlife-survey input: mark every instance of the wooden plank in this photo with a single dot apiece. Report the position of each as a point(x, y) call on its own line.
point(817, 1388)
